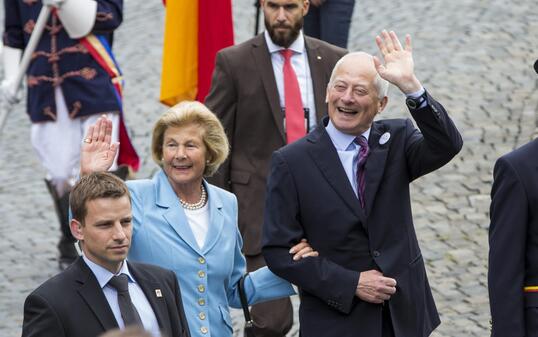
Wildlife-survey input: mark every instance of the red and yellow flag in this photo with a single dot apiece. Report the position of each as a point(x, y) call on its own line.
point(195, 30)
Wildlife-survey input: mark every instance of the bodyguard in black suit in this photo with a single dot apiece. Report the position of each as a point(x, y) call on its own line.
point(513, 244)
point(369, 279)
point(75, 304)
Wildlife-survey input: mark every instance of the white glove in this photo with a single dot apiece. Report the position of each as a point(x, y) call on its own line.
point(77, 16)
point(11, 60)
point(6, 88)
point(53, 3)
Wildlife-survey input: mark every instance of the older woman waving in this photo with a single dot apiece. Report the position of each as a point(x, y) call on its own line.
point(182, 223)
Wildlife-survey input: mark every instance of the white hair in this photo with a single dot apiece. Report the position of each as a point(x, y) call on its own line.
point(381, 85)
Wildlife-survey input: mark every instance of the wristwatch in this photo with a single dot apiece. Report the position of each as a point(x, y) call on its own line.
point(415, 102)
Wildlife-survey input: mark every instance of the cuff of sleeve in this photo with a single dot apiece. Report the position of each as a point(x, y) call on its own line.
point(263, 285)
point(342, 300)
point(417, 94)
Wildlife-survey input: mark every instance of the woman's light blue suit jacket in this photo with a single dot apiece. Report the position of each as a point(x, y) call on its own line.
point(208, 276)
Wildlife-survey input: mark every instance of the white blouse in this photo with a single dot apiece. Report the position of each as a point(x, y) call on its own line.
point(199, 222)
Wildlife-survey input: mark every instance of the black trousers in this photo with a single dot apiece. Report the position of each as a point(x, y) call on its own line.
point(531, 321)
point(387, 329)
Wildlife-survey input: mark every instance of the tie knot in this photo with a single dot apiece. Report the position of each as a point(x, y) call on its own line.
point(286, 53)
point(361, 140)
point(120, 283)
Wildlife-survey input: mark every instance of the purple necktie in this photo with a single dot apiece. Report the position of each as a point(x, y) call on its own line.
point(363, 154)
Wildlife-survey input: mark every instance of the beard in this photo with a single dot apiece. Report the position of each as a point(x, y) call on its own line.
point(284, 38)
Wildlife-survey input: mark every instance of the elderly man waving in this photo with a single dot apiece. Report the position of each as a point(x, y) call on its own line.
point(345, 187)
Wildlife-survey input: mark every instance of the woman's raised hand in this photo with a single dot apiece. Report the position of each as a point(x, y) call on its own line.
point(98, 152)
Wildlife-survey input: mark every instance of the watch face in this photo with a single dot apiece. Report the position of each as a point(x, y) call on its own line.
point(411, 103)
point(415, 102)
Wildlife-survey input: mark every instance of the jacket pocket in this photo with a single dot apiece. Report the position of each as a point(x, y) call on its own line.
point(225, 313)
point(239, 177)
point(416, 260)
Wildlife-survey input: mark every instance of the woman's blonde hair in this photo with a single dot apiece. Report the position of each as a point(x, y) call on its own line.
point(188, 113)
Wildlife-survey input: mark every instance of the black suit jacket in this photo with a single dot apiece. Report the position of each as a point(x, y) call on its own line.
point(72, 304)
point(309, 195)
point(513, 243)
point(244, 96)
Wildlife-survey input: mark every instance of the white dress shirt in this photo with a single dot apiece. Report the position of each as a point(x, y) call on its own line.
point(299, 62)
point(141, 303)
point(348, 152)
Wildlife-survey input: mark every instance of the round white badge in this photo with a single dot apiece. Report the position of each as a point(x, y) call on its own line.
point(384, 138)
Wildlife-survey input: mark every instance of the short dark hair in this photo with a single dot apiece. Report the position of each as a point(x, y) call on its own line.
point(96, 185)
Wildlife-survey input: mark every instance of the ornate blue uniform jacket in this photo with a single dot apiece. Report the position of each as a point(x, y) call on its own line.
point(61, 61)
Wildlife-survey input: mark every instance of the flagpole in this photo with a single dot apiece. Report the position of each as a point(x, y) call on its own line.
point(25, 61)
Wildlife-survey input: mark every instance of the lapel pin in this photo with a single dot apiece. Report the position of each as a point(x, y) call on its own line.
point(319, 57)
point(384, 138)
point(158, 293)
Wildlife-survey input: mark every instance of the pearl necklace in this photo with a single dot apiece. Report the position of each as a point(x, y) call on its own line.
point(197, 205)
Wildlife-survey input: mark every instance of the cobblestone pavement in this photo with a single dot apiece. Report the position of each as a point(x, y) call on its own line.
point(474, 56)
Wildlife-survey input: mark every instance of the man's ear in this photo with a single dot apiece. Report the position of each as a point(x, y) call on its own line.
point(306, 6)
point(327, 95)
point(382, 104)
point(76, 229)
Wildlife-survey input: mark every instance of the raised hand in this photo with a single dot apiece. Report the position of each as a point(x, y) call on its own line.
point(399, 66)
point(98, 152)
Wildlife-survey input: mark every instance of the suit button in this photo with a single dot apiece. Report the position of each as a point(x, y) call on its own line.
point(376, 253)
point(201, 260)
point(204, 330)
point(201, 301)
point(201, 274)
point(201, 288)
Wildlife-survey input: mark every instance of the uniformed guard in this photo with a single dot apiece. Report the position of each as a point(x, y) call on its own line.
point(72, 79)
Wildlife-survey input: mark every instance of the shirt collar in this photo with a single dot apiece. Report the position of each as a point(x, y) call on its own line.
point(341, 140)
point(297, 46)
point(103, 275)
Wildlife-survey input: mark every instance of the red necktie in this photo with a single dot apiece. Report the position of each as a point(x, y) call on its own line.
point(295, 121)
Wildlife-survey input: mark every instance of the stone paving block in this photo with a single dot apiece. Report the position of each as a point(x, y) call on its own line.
point(461, 255)
point(476, 217)
point(480, 202)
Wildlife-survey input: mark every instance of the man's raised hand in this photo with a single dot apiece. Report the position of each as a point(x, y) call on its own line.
point(399, 66)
